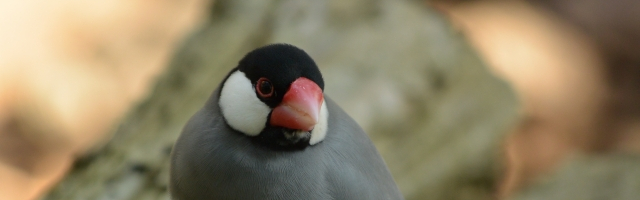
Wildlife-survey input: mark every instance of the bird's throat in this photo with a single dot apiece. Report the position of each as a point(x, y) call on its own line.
point(279, 138)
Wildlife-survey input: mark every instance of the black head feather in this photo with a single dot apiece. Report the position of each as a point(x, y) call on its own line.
point(281, 64)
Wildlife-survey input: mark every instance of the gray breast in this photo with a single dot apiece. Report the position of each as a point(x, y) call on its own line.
point(212, 161)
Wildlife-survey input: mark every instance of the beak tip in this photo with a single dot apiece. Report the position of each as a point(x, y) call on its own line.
point(289, 117)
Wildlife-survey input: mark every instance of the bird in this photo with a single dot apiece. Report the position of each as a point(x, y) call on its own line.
point(269, 132)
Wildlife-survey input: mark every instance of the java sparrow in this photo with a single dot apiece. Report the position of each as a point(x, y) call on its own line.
point(269, 132)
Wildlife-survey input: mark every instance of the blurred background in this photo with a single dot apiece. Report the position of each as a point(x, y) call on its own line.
point(465, 99)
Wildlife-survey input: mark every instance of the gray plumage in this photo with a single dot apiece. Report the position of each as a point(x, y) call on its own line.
point(212, 161)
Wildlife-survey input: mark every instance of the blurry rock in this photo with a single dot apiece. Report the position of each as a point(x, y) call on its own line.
point(615, 27)
point(590, 178)
point(434, 111)
point(69, 71)
point(557, 72)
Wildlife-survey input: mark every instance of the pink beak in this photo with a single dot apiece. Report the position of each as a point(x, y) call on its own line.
point(300, 106)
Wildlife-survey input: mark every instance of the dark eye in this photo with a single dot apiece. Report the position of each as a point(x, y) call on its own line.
point(264, 88)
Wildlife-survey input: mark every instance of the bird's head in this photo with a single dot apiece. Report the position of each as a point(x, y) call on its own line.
point(275, 95)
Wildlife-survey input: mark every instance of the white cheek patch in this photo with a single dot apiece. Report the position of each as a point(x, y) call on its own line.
point(320, 130)
point(241, 107)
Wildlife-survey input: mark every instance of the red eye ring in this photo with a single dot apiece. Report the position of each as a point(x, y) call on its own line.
point(264, 88)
